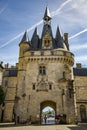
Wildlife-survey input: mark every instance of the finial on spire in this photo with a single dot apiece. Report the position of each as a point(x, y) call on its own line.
point(47, 15)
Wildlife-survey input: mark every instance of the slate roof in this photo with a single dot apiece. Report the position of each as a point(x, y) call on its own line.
point(25, 37)
point(59, 39)
point(47, 29)
point(76, 72)
point(35, 41)
point(80, 72)
point(10, 73)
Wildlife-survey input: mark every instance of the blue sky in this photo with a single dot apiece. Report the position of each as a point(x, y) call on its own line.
point(16, 16)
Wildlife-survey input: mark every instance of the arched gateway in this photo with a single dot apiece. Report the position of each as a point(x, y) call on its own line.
point(44, 78)
point(44, 105)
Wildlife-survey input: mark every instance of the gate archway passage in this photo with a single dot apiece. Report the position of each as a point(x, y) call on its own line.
point(47, 112)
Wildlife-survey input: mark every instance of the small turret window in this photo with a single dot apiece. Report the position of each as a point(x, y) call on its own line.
point(42, 70)
point(42, 53)
point(52, 52)
point(50, 86)
point(33, 86)
point(32, 53)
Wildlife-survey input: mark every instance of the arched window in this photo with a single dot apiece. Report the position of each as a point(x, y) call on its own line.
point(83, 113)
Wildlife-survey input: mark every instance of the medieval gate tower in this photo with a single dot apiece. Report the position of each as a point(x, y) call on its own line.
point(45, 75)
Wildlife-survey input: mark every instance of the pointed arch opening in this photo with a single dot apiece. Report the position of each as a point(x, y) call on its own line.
point(47, 112)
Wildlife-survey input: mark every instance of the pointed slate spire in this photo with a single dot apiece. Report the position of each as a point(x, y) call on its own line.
point(47, 15)
point(25, 37)
point(47, 23)
point(35, 32)
point(35, 39)
point(59, 39)
point(58, 34)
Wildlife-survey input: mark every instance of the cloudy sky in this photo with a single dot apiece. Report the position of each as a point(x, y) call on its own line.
point(17, 16)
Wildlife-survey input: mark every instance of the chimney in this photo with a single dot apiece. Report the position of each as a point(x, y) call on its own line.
point(16, 65)
point(66, 40)
point(6, 66)
point(78, 65)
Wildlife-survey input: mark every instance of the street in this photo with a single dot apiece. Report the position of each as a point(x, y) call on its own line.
point(46, 127)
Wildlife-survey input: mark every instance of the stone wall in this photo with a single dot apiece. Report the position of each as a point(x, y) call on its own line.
point(80, 83)
point(10, 93)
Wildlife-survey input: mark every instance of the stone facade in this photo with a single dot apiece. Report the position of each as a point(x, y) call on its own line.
point(80, 83)
point(43, 77)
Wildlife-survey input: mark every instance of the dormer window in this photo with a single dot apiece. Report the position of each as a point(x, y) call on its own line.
point(46, 43)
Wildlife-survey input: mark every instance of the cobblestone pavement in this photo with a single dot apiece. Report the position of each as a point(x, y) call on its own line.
point(46, 127)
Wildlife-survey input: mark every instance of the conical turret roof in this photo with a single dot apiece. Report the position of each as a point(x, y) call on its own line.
point(59, 39)
point(58, 33)
point(35, 33)
point(25, 37)
point(35, 39)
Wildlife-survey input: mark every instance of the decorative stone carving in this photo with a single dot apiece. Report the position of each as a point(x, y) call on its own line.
point(42, 83)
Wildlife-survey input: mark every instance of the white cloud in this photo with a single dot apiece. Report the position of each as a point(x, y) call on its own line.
point(78, 47)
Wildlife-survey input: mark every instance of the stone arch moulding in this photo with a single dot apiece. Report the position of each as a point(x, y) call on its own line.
point(46, 103)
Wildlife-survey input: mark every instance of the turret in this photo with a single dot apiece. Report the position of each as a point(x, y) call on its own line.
point(24, 44)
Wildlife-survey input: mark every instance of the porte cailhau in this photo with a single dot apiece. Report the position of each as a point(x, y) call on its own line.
point(44, 76)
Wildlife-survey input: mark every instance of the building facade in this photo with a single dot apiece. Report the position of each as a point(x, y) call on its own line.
point(44, 76)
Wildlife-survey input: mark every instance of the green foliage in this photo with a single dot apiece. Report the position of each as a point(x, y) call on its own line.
point(49, 112)
point(2, 95)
